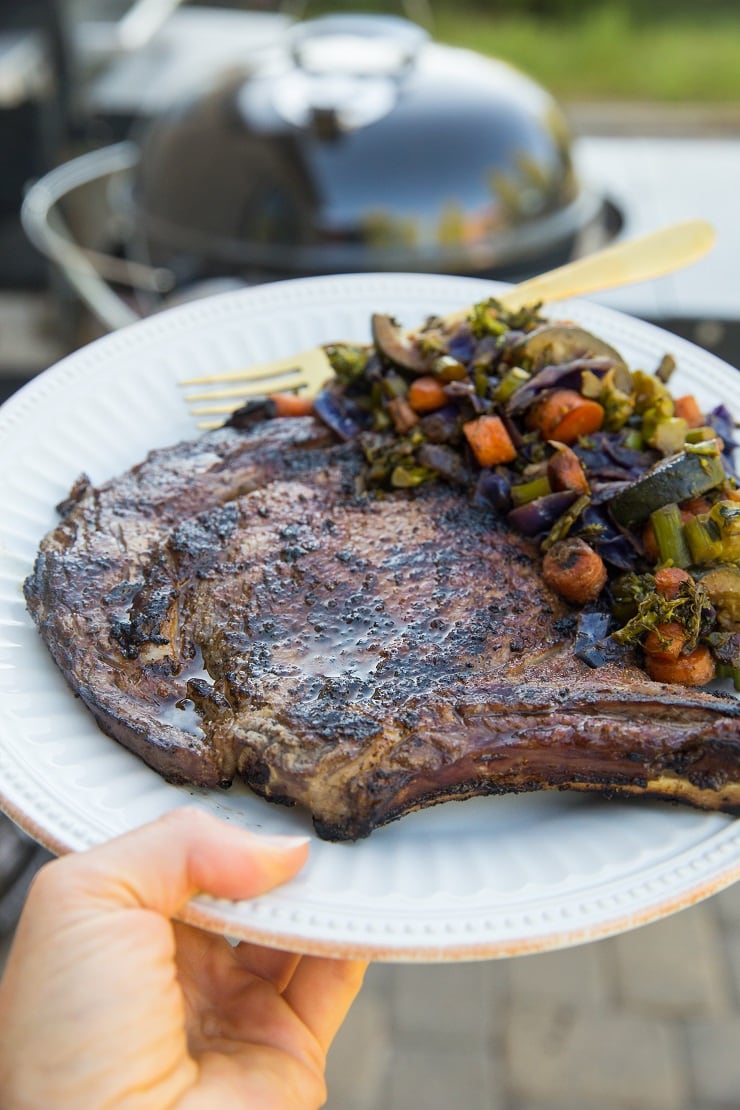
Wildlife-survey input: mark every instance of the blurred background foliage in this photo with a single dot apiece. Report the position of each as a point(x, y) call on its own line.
point(659, 50)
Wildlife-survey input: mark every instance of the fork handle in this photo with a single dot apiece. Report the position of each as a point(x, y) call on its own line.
point(641, 259)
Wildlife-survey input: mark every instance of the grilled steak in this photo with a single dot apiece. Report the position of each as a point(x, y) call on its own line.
point(233, 608)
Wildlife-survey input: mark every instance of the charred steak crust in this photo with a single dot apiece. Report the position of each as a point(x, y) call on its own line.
point(233, 608)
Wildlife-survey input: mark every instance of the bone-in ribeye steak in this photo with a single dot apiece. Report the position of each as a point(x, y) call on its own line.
point(232, 608)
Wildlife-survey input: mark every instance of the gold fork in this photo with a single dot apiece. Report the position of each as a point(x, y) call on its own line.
point(640, 259)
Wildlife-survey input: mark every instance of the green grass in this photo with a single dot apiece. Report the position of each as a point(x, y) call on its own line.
point(606, 55)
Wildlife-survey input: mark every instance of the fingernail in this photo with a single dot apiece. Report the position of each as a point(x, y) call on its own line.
point(283, 843)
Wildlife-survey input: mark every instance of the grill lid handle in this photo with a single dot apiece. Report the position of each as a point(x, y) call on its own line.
point(347, 70)
point(356, 45)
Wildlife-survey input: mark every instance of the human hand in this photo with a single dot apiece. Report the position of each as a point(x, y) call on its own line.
point(107, 1002)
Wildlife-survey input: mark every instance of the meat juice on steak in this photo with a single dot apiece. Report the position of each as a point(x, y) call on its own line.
point(232, 608)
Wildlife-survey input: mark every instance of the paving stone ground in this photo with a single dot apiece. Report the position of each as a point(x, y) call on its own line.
point(648, 1020)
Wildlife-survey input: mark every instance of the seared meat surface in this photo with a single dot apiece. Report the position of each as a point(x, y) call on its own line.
point(233, 608)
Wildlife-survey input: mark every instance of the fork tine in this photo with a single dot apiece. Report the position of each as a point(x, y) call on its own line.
point(310, 362)
point(209, 425)
point(213, 410)
point(290, 383)
point(304, 373)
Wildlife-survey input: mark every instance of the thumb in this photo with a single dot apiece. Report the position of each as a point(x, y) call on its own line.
point(160, 866)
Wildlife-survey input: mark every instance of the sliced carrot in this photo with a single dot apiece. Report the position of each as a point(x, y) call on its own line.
point(694, 506)
point(668, 581)
point(403, 416)
point(489, 440)
point(650, 543)
point(291, 404)
point(687, 408)
point(574, 570)
point(564, 471)
point(565, 414)
point(665, 641)
point(426, 394)
point(694, 669)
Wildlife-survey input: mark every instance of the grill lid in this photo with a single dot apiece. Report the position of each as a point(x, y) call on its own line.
point(363, 146)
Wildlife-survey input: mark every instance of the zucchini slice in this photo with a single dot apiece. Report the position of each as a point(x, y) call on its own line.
point(673, 479)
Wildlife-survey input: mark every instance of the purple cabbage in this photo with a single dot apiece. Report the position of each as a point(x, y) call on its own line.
point(720, 418)
point(594, 644)
point(444, 460)
point(612, 545)
point(605, 458)
point(565, 375)
point(462, 345)
point(493, 490)
point(440, 426)
point(539, 515)
point(339, 413)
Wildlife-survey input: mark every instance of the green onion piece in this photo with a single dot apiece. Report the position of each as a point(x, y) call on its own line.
point(393, 385)
point(729, 670)
point(666, 368)
point(704, 539)
point(709, 448)
point(700, 435)
point(564, 523)
point(528, 491)
point(634, 440)
point(449, 369)
point(510, 382)
point(404, 477)
point(672, 545)
point(591, 385)
point(651, 396)
point(669, 435)
point(480, 381)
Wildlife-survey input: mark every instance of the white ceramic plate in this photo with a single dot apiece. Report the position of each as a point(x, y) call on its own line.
point(487, 878)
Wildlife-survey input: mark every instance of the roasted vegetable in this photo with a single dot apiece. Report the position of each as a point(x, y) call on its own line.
point(541, 514)
point(628, 493)
point(514, 379)
point(691, 607)
point(674, 479)
point(565, 471)
point(426, 394)
point(489, 440)
point(523, 492)
point(666, 641)
point(687, 407)
point(723, 586)
point(667, 523)
point(490, 318)
point(696, 668)
point(616, 400)
point(292, 404)
point(393, 346)
point(715, 536)
point(668, 581)
point(574, 570)
point(565, 415)
point(348, 360)
point(554, 344)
